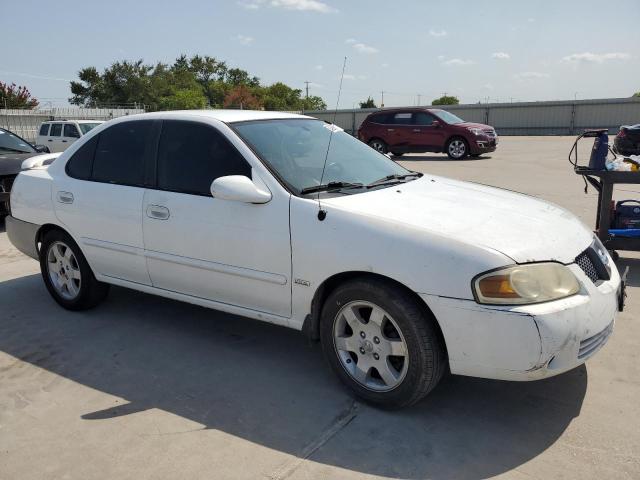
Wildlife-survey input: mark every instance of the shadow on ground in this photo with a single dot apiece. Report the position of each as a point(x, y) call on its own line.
point(268, 385)
point(633, 277)
point(436, 158)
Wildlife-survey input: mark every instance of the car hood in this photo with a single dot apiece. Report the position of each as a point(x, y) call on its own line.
point(474, 125)
point(11, 163)
point(521, 227)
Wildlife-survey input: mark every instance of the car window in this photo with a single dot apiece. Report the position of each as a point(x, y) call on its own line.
point(85, 127)
point(121, 153)
point(192, 155)
point(10, 142)
point(382, 118)
point(402, 118)
point(71, 130)
point(44, 129)
point(79, 165)
point(423, 118)
point(56, 130)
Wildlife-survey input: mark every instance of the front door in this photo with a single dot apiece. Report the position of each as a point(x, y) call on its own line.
point(226, 251)
point(426, 136)
point(99, 199)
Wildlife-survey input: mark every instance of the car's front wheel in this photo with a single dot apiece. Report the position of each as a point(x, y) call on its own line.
point(67, 275)
point(381, 343)
point(378, 145)
point(457, 148)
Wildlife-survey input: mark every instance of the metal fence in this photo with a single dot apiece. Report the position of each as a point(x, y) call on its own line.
point(524, 118)
point(26, 123)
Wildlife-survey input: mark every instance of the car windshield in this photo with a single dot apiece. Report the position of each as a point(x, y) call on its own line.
point(296, 148)
point(85, 127)
point(448, 117)
point(12, 143)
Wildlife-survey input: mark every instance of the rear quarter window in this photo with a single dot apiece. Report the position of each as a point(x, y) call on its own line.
point(79, 165)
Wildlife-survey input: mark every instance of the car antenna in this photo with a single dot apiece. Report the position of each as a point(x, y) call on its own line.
point(322, 214)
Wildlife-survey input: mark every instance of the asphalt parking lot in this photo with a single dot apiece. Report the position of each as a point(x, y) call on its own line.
point(144, 387)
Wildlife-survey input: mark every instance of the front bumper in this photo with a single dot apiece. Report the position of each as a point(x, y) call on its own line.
point(528, 342)
point(483, 144)
point(23, 236)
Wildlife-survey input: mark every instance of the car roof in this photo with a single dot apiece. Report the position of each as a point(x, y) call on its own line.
point(227, 116)
point(74, 121)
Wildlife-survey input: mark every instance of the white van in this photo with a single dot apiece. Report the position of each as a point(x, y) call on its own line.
point(58, 135)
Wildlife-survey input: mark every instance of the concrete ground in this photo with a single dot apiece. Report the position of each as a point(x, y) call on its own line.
point(148, 388)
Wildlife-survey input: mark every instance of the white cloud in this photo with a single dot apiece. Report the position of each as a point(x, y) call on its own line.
point(531, 19)
point(458, 62)
point(441, 57)
point(318, 67)
point(349, 76)
point(385, 65)
point(501, 55)
point(245, 40)
point(360, 47)
point(589, 57)
point(299, 5)
point(530, 75)
point(438, 33)
point(487, 86)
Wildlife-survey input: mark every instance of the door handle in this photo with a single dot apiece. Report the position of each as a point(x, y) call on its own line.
point(49, 140)
point(391, 129)
point(157, 212)
point(417, 130)
point(65, 197)
point(64, 141)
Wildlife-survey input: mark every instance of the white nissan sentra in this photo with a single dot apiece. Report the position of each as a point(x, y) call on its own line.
point(400, 275)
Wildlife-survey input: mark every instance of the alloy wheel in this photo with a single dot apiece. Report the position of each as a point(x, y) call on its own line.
point(370, 346)
point(457, 148)
point(64, 270)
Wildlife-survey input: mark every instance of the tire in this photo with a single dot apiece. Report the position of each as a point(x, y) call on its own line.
point(457, 148)
point(474, 155)
point(397, 154)
point(402, 356)
point(67, 274)
point(378, 145)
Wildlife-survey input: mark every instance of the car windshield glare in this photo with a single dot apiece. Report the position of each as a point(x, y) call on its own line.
point(295, 150)
point(448, 117)
point(13, 143)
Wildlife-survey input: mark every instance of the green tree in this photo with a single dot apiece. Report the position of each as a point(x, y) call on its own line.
point(184, 99)
point(637, 94)
point(446, 100)
point(313, 103)
point(368, 103)
point(14, 96)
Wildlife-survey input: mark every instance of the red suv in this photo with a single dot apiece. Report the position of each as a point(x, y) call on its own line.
point(426, 130)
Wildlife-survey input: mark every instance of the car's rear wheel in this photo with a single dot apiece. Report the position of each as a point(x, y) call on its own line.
point(67, 274)
point(457, 148)
point(378, 145)
point(381, 343)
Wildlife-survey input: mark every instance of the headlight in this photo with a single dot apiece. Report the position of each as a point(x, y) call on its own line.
point(476, 131)
point(525, 284)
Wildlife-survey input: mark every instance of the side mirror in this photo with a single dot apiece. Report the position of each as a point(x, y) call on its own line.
point(41, 148)
point(435, 123)
point(240, 189)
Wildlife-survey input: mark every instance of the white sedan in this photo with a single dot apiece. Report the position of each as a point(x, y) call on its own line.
point(400, 275)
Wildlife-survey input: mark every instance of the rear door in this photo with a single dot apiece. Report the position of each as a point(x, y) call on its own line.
point(99, 199)
point(400, 133)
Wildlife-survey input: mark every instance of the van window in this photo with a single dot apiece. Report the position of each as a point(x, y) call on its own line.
point(71, 130)
point(44, 130)
point(56, 130)
point(121, 153)
point(192, 155)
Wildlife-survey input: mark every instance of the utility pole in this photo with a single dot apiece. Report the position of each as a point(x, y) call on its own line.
point(307, 89)
point(382, 100)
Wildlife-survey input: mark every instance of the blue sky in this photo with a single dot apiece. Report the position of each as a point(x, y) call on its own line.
point(501, 50)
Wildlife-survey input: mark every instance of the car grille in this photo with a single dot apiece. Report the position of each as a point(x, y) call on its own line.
point(490, 133)
point(590, 345)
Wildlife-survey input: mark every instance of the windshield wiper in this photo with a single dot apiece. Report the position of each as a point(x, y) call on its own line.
point(394, 178)
point(330, 186)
